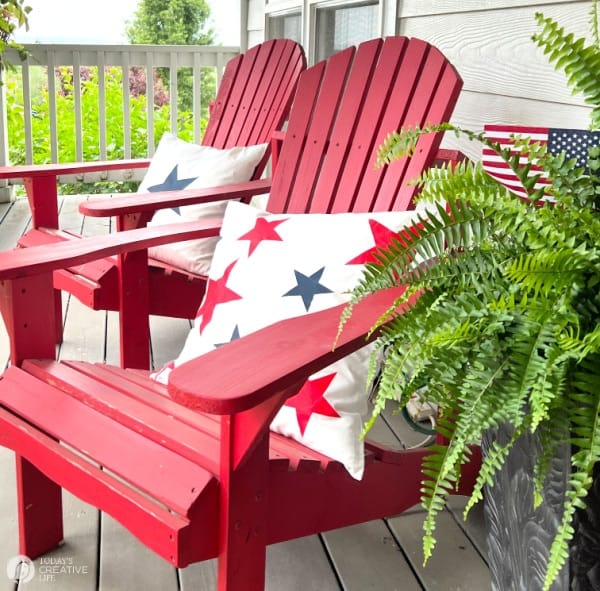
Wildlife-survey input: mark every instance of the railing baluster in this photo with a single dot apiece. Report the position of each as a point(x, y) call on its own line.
point(173, 91)
point(77, 106)
point(221, 60)
point(126, 106)
point(26, 78)
point(5, 190)
point(52, 106)
point(102, 104)
point(150, 101)
point(197, 100)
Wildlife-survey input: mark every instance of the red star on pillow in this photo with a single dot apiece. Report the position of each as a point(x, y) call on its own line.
point(382, 236)
point(217, 293)
point(263, 230)
point(311, 399)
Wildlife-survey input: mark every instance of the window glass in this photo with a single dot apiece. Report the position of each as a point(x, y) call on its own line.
point(342, 26)
point(287, 26)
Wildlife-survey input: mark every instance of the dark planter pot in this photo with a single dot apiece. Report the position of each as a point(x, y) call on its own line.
point(585, 549)
point(519, 537)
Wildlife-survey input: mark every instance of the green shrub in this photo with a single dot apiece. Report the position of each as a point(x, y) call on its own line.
point(65, 116)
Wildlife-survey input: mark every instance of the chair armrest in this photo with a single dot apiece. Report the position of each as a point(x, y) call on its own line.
point(449, 156)
point(226, 380)
point(149, 202)
point(41, 170)
point(40, 182)
point(35, 260)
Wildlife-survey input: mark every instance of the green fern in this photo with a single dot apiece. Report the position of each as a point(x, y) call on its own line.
point(492, 463)
point(580, 62)
point(506, 325)
point(585, 438)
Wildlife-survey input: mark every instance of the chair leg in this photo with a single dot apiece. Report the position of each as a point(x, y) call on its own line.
point(244, 568)
point(40, 510)
point(134, 324)
point(58, 316)
point(243, 543)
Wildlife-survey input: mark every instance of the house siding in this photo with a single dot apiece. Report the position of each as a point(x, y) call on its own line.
point(507, 79)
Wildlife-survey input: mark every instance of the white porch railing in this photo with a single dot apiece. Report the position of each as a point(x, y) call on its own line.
point(147, 57)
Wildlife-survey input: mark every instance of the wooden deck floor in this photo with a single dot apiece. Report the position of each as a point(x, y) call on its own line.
point(382, 555)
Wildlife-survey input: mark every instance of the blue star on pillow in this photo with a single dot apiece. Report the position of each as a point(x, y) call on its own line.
point(308, 286)
point(235, 335)
point(172, 183)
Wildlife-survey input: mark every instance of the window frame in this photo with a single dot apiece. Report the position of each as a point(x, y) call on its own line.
point(332, 5)
point(269, 16)
point(387, 17)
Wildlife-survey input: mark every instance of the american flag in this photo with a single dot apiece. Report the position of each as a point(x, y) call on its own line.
point(574, 142)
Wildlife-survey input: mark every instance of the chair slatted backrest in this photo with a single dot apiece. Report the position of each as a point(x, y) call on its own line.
point(254, 94)
point(342, 112)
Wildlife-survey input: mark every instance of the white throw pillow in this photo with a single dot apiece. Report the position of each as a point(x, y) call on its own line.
point(177, 164)
point(270, 267)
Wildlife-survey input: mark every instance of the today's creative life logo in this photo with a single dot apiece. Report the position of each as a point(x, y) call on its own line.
point(20, 569)
point(50, 569)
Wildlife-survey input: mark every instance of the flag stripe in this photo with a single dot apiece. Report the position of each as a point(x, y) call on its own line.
point(499, 170)
point(574, 143)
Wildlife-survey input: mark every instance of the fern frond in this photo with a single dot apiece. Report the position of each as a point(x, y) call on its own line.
point(492, 463)
point(581, 63)
point(584, 415)
point(553, 433)
point(535, 363)
point(550, 383)
point(402, 144)
point(594, 23)
point(546, 270)
point(580, 347)
point(435, 490)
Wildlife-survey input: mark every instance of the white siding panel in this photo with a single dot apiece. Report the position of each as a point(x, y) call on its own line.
point(493, 50)
point(409, 8)
point(256, 15)
point(255, 37)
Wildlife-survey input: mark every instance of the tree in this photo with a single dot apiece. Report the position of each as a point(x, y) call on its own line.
point(13, 15)
point(171, 22)
point(175, 22)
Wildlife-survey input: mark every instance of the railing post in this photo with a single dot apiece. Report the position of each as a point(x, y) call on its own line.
point(5, 189)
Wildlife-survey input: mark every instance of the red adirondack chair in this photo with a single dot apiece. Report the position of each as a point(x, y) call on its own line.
point(252, 102)
point(203, 476)
point(412, 92)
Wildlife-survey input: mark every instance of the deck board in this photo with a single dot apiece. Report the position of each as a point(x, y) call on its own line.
point(368, 557)
point(455, 564)
point(167, 338)
point(14, 220)
point(473, 526)
point(127, 564)
point(299, 564)
point(383, 555)
point(74, 565)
